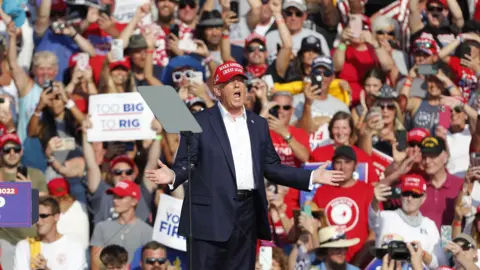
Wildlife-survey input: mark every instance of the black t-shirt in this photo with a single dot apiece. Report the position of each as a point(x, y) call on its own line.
point(290, 76)
point(442, 35)
point(157, 73)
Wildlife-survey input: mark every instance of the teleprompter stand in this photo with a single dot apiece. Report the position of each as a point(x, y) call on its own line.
point(175, 117)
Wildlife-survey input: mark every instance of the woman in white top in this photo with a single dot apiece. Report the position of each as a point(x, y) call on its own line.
point(73, 217)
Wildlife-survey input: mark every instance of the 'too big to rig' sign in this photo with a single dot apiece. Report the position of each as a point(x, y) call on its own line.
point(119, 117)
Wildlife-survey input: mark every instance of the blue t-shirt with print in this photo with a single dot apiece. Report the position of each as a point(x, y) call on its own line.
point(63, 47)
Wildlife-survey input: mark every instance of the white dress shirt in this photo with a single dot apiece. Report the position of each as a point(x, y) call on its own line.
point(237, 132)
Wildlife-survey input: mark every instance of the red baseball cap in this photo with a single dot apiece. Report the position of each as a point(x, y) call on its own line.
point(417, 135)
point(226, 71)
point(442, 2)
point(125, 62)
point(58, 187)
point(126, 188)
point(11, 137)
point(414, 183)
point(254, 37)
point(122, 158)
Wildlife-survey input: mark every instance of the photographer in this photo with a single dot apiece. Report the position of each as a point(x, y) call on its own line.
point(393, 248)
point(408, 222)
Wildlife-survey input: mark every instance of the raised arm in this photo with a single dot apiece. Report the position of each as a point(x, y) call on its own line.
point(93, 170)
point(283, 56)
point(456, 12)
point(22, 81)
point(43, 18)
point(253, 15)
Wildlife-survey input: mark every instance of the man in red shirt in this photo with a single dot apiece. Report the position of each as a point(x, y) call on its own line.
point(442, 187)
point(290, 142)
point(347, 205)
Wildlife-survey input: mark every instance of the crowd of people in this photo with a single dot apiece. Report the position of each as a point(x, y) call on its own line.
point(386, 91)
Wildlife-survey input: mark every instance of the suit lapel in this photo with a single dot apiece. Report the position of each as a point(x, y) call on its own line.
point(219, 127)
point(254, 144)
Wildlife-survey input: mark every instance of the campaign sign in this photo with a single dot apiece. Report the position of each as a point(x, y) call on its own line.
point(119, 117)
point(16, 205)
point(376, 264)
point(165, 230)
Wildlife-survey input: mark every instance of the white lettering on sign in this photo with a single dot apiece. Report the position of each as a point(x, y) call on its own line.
point(2, 202)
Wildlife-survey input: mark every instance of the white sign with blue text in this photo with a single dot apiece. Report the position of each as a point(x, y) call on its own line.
point(165, 230)
point(119, 117)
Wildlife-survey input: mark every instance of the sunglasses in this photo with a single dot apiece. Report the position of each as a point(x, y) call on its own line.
point(411, 194)
point(42, 216)
point(381, 32)
point(389, 106)
point(325, 73)
point(413, 144)
point(284, 107)
point(152, 261)
point(16, 149)
point(184, 4)
point(260, 48)
point(298, 14)
point(435, 8)
point(177, 76)
point(58, 97)
point(423, 44)
point(119, 172)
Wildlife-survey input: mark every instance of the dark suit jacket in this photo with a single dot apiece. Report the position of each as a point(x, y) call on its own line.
point(213, 180)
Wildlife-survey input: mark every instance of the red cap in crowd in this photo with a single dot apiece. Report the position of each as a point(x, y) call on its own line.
point(58, 187)
point(254, 37)
point(11, 137)
point(414, 183)
point(441, 2)
point(425, 43)
point(126, 188)
point(59, 5)
point(122, 158)
point(125, 62)
point(417, 135)
point(226, 71)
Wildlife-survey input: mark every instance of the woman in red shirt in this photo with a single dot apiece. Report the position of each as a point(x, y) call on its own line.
point(341, 131)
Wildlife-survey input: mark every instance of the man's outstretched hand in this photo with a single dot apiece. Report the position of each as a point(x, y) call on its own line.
point(161, 176)
point(325, 177)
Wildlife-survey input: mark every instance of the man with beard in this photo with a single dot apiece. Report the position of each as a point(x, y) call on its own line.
point(154, 256)
point(12, 152)
point(407, 221)
point(334, 245)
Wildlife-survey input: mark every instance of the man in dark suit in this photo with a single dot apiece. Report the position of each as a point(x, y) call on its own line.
point(231, 157)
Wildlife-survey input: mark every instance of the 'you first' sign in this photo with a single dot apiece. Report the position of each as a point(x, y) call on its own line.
point(119, 117)
point(165, 229)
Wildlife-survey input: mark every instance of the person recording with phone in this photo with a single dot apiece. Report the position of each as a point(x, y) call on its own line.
point(315, 107)
point(290, 142)
point(407, 221)
point(384, 120)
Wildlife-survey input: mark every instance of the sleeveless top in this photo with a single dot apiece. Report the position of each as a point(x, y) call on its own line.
point(427, 116)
